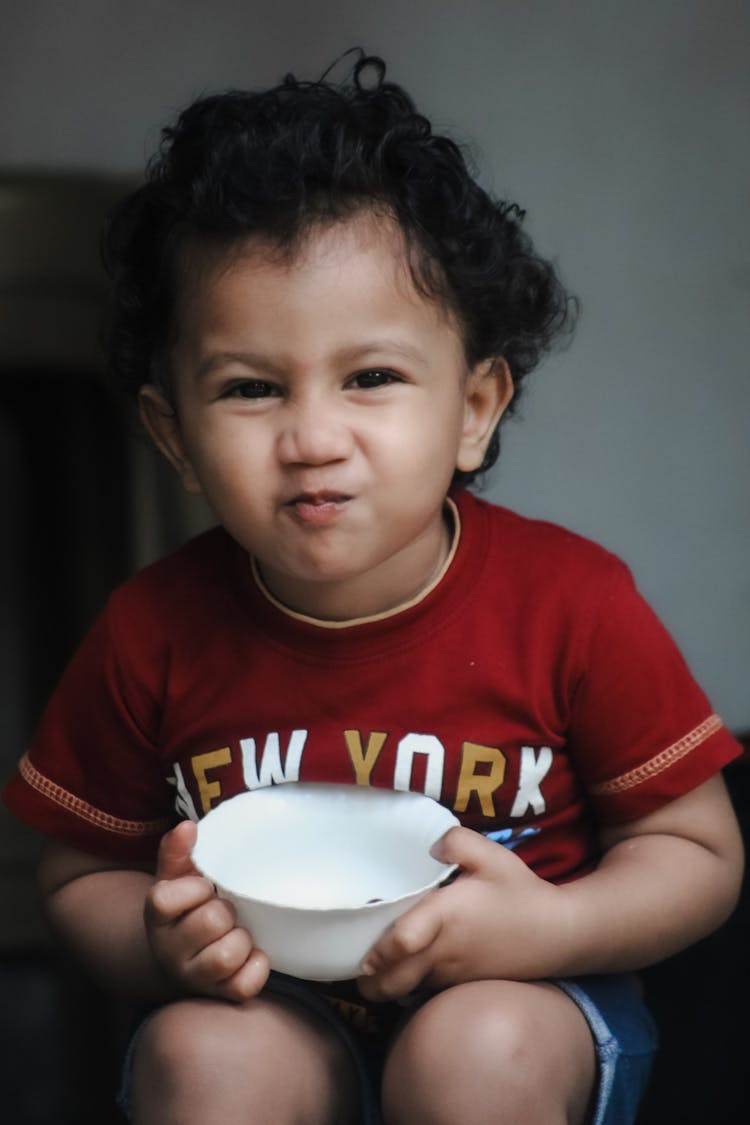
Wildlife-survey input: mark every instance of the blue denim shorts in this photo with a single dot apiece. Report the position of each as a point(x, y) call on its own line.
point(622, 1028)
point(625, 1038)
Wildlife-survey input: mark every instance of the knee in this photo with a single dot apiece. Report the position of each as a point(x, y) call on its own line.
point(458, 1028)
point(451, 1054)
point(177, 1041)
point(200, 1060)
point(480, 1045)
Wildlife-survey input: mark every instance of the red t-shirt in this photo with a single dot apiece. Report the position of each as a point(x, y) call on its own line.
point(532, 691)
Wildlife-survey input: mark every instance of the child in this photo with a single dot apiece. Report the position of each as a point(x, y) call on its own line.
point(324, 319)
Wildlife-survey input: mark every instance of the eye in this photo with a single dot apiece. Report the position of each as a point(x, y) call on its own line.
point(251, 388)
point(375, 377)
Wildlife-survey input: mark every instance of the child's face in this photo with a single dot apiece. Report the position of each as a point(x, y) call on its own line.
point(322, 406)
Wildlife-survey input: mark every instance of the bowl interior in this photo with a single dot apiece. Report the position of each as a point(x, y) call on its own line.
point(317, 846)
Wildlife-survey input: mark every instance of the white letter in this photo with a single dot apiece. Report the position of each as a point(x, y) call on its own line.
point(271, 770)
point(183, 802)
point(410, 745)
point(532, 774)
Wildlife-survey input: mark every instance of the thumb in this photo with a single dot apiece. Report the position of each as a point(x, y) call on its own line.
point(174, 859)
point(470, 850)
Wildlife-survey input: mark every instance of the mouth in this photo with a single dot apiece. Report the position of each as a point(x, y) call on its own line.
point(318, 507)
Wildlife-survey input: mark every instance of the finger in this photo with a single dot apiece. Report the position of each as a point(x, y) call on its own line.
point(169, 899)
point(409, 934)
point(469, 849)
point(397, 980)
point(249, 979)
point(208, 922)
point(221, 959)
point(174, 859)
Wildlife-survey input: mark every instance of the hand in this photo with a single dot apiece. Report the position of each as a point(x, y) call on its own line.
point(193, 933)
point(497, 920)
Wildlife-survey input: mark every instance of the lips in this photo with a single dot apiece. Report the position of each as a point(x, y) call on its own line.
point(318, 508)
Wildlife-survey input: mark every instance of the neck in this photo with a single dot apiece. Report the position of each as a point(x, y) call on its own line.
point(380, 595)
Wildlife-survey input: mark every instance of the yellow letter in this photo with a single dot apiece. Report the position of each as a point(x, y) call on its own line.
point(364, 760)
point(201, 762)
point(483, 784)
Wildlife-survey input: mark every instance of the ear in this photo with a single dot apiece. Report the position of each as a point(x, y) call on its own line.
point(487, 394)
point(163, 427)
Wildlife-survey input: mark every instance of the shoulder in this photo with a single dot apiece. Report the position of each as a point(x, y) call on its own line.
point(180, 590)
point(538, 552)
point(193, 562)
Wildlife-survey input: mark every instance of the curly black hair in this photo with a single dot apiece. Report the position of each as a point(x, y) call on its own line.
point(274, 162)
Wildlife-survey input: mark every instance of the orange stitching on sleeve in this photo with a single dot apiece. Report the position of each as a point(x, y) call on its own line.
point(54, 792)
point(661, 762)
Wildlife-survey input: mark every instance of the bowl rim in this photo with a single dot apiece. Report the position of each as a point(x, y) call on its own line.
point(448, 869)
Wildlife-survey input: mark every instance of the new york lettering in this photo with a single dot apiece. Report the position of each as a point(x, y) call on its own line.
point(481, 774)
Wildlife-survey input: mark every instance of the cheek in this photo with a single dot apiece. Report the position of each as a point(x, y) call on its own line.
point(222, 449)
point(430, 427)
point(420, 460)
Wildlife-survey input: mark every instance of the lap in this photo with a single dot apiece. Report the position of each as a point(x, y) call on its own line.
point(594, 1034)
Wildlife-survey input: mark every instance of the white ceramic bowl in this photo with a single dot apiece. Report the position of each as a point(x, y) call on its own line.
point(317, 872)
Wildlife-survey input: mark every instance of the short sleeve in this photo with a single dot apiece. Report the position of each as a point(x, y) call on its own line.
point(92, 776)
point(642, 731)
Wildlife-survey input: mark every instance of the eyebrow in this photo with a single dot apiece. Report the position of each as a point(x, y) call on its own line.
point(252, 360)
point(385, 345)
point(354, 354)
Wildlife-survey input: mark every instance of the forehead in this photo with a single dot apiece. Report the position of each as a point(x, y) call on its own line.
point(364, 252)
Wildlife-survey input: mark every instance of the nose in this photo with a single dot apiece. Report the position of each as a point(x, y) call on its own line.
point(314, 433)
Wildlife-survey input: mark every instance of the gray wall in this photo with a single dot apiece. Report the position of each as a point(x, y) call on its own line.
point(621, 127)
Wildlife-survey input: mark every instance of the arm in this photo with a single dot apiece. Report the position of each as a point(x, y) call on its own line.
point(664, 881)
point(153, 934)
